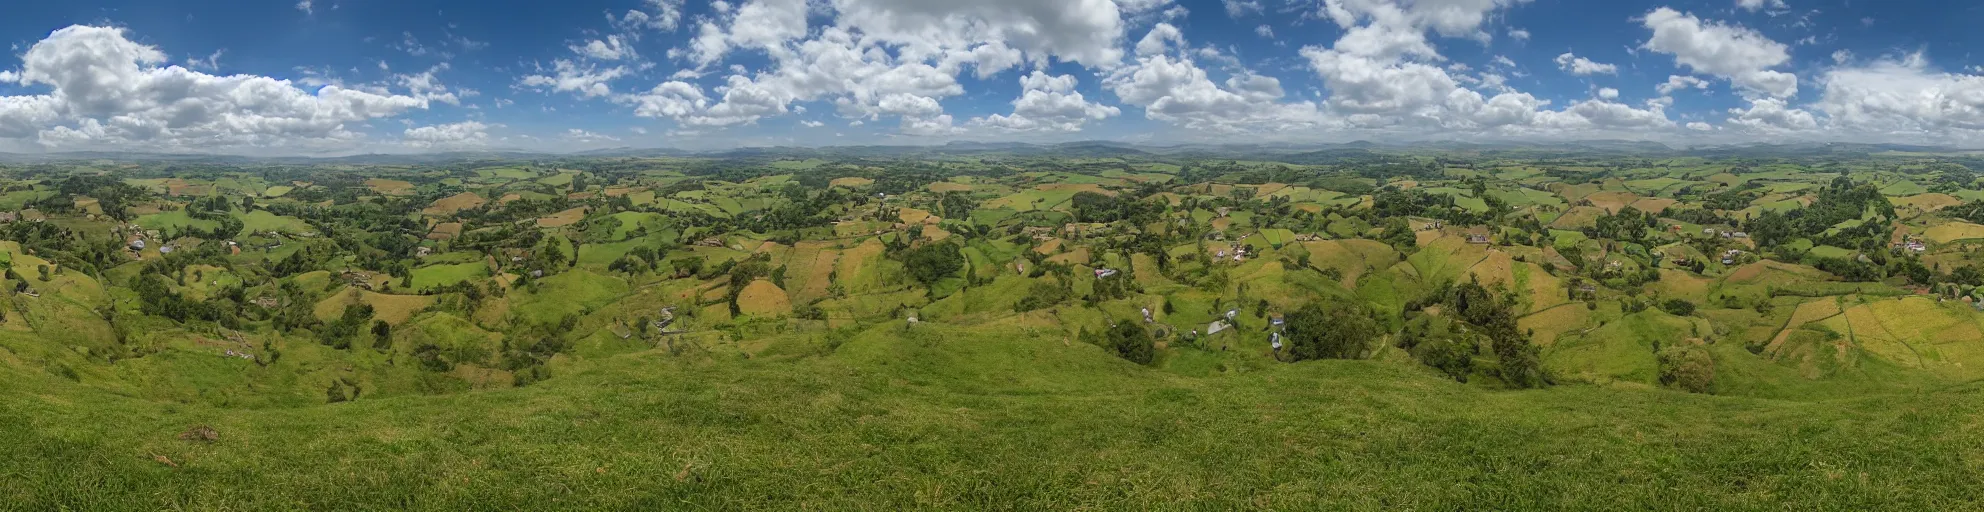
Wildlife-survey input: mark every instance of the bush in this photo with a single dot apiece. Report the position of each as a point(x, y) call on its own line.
point(1678, 307)
point(1130, 341)
point(1041, 295)
point(932, 262)
point(1687, 368)
point(1330, 330)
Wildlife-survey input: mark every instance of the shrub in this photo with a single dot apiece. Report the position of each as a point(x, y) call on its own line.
point(1330, 330)
point(1041, 295)
point(1130, 341)
point(1678, 307)
point(1687, 368)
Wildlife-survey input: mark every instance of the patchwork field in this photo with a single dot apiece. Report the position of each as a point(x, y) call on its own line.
point(449, 205)
point(389, 187)
point(563, 218)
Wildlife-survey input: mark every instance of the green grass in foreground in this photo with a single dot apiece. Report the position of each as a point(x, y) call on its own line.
point(975, 419)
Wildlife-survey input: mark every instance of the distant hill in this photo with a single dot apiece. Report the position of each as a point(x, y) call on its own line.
point(1320, 153)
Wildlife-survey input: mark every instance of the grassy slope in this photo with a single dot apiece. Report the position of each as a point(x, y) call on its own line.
point(952, 418)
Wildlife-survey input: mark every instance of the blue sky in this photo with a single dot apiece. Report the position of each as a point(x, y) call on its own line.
point(346, 76)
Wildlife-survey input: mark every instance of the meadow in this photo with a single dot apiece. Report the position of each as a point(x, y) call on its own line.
point(989, 419)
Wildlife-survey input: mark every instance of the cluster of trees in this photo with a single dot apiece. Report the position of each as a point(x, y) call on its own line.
point(931, 262)
point(1842, 200)
point(113, 195)
point(1094, 207)
point(1331, 329)
point(1472, 315)
point(340, 332)
point(1629, 225)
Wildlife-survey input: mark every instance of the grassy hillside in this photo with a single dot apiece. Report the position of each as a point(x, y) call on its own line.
point(986, 419)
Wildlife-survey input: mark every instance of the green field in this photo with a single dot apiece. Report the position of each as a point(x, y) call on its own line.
point(446, 274)
point(945, 328)
point(992, 419)
point(261, 221)
point(176, 219)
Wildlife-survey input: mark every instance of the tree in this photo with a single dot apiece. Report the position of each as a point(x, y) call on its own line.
point(552, 254)
point(932, 262)
point(1330, 330)
point(1518, 362)
point(44, 272)
point(688, 266)
point(382, 335)
point(335, 393)
point(1688, 368)
point(1043, 294)
point(1130, 341)
point(1678, 307)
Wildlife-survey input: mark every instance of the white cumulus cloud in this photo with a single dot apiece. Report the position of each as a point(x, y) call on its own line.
point(453, 134)
point(1739, 54)
point(1050, 103)
point(105, 89)
point(1581, 66)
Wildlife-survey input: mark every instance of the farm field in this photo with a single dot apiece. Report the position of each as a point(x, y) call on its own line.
point(1082, 327)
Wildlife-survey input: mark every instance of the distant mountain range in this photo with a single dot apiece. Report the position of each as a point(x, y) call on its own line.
point(1293, 153)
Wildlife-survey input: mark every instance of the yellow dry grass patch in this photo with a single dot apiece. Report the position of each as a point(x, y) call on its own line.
point(189, 189)
point(1428, 237)
point(1928, 202)
point(445, 231)
point(1810, 311)
point(1952, 231)
point(1551, 323)
point(1545, 291)
point(916, 216)
point(455, 203)
point(813, 264)
point(562, 219)
point(851, 182)
point(1075, 257)
point(1351, 257)
point(762, 298)
point(946, 186)
point(935, 234)
point(1918, 332)
point(1075, 187)
point(1680, 284)
point(1268, 189)
point(619, 191)
point(1612, 202)
point(856, 260)
point(1747, 273)
point(394, 309)
point(1051, 246)
point(1573, 193)
point(1578, 217)
point(1920, 319)
point(1653, 204)
point(776, 249)
point(1498, 267)
point(389, 187)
